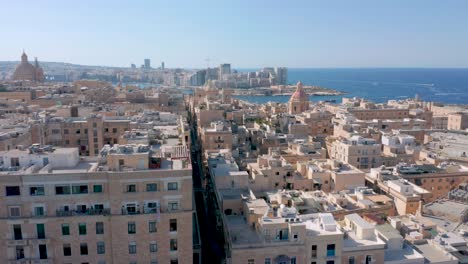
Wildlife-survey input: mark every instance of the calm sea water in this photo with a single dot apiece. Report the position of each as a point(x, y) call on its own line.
point(380, 85)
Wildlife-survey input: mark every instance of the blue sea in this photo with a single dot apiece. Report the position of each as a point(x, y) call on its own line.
point(379, 85)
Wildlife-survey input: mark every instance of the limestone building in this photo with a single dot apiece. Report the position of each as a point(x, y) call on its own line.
point(299, 101)
point(25, 71)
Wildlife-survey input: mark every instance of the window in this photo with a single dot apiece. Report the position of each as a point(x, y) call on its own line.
point(174, 261)
point(82, 229)
point(81, 208)
point(66, 250)
point(173, 205)
point(14, 162)
point(36, 190)
point(14, 211)
point(173, 225)
point(39, 211)
point(17, 234)
point(351, 260)
point(173, 245)
point(100, 248)
point(65, 131)
point(151, 207)
point(131, 188)
point(130, 208)
point(251, 261)
point(78, 131)
point(151, 187)
point(330, 250)
point(65, 229)
point(121, 162)
point(12, 190)
point(153, 247)
point(131, 227)
point(97, 188)
point(293, 260)
point(114, 130)
point(172, 186)
point(19, 252)
point(79, 189)
point(84, 249)
point(132, 248)
point(99, 228)
point(152, 227)
point(368, 259)
point(62, 189)
point(42, 251)
point(330, 262)
point(268, 261)
point(314, 251)
point(40, 228)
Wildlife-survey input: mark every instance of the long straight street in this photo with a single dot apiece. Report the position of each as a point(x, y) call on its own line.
point(212, 239)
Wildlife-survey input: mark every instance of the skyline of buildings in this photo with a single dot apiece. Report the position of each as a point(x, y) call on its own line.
point(108, 172)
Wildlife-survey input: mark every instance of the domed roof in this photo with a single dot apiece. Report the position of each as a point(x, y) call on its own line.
point(299, 94)
point(24, 70)
point(27, 71)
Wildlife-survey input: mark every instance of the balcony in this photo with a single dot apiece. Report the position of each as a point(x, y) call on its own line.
point(146, 210)
point(105, 211)
point(17, 242)
point(31, 261)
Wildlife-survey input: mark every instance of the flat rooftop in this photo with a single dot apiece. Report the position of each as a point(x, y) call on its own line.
point(240, 232)
point(447, 207)
point(403, 255)
point(433, 254)
point(453, 144)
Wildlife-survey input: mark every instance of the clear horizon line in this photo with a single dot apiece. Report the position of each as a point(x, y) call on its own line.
point(261, 67)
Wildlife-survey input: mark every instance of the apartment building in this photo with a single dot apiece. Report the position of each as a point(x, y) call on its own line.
point(362, 153)
point(88, 134)
point(458, 121)
point(217, 136)
point(132, 204)
point(407, 196)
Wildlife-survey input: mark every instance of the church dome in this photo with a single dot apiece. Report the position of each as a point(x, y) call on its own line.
point(27, 71)
point(299, 94)
point(24, 71)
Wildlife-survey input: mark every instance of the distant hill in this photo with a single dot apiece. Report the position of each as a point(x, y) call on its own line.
point(7, 67)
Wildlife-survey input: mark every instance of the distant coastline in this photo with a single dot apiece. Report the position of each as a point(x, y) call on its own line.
point(286, 90)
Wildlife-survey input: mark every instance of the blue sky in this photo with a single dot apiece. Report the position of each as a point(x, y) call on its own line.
point(246, 33)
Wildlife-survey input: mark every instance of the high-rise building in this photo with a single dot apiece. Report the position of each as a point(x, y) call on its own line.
point(224, 70)
point(147, 64)
point(133, 66)
point(162, 65)
point(281, 75)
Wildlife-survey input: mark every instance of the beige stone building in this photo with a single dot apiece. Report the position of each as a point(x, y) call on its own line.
point(218, 136)
point(458, 121)
point(88, 134)
point(299, 101)
point(362, 153)
point(133, 204)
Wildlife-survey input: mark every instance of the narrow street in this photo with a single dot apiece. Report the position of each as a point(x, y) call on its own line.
point(212, 239)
